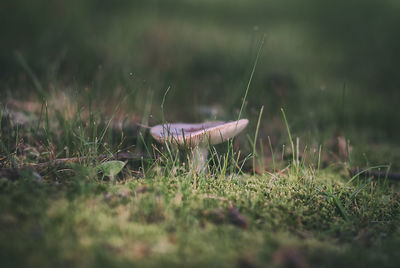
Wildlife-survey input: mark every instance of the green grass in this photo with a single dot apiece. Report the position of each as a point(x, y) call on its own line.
point(163, 220)
point(159, 212)
point(80, 76)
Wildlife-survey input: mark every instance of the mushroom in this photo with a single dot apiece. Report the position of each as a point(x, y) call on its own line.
point(198, 137)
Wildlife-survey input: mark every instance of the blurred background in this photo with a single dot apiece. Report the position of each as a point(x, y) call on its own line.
point(332, 66)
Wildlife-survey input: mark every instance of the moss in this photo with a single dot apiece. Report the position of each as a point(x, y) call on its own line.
point(164, 224)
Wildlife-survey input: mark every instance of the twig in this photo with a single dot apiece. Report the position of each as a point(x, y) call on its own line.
point(14, 173)
point(376, 174)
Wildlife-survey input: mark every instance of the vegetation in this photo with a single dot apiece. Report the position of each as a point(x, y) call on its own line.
point(308, 184)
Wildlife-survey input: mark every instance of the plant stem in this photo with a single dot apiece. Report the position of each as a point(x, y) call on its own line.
point(199, 159)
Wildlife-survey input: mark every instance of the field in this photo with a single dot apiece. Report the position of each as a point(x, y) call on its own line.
point(313, 181)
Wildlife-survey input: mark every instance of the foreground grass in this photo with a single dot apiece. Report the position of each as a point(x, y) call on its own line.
point(298, 218)
point(160, 213)
point(244, 221)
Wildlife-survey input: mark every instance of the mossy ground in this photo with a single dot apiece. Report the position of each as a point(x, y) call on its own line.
point(68, 67)
point(229, 221)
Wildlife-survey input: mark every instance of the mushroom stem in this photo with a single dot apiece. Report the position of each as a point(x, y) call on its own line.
point(199, 158)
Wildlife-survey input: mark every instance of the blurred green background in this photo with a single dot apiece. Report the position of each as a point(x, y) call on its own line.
point(333, 66)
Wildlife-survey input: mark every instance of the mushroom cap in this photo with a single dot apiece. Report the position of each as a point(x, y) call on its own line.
point(198, 134)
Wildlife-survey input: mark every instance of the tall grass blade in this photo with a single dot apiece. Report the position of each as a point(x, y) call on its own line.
point(251, 76)
point(358, 174)
point(272, 153)
point(35, 80)
point(255, 139)
point(290, 137)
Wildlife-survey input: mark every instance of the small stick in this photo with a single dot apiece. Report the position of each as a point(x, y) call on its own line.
point(14, 173)
point(64, 161)
point(377, 174)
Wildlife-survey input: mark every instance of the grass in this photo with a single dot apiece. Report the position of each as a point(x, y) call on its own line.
point(77, 78)
point(159, 212)
point(163, 220)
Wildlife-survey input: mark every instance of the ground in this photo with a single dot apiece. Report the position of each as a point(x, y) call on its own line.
point(225, 221)
point(82, 183)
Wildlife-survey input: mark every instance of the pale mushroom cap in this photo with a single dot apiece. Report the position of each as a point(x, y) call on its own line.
point(198, 134)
